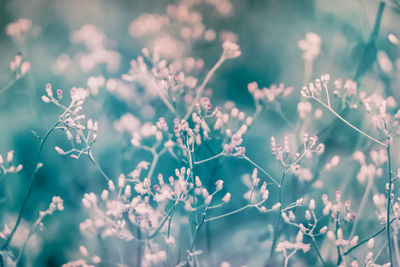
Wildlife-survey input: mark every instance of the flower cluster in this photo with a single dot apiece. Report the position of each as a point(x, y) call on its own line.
point(80, 132)
point(19, 67)
point(6, 166)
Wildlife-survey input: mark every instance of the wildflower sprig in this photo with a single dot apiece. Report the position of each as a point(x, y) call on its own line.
point(19, 69)
point(7, 166)
point(285, 246)
point(57, 204)
point(289, 162)
point(319, 91)
point(81, 136)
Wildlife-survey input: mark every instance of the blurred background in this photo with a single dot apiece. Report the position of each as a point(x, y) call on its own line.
point(268, 33)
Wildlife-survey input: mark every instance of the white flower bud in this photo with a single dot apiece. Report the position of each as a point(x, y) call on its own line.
point(104, 195)
point(128, 190)
point(308, 215)
point(331, 235)
point(121, 180)
point(291, 215)
point(311, 205)
point(276, 206)
point(111, 186)
point(226, 198)
point(208, 199)
point(265, 195)
point(370, 243)
point(83, 251)
point(59, 150)
point(354, 241)
point(219, 184)
point(299, 237)
point(19, 168)
point(10, 156)
point(45, 99)
point(96, 259)
point(323, 230)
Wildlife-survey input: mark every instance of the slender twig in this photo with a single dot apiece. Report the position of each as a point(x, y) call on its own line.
point(368, 238)
point(232, 212)
point(314, 242)
point(348, 123)
point(96, 164)
point(389, 200)
point(8, 85)
point(165, 100)
point(30, 189)
point(200, 89)
point(208, 159)
point(339, 254)
point(362, 205)
point(262, 170)
point(276, 229)
point(396, 246)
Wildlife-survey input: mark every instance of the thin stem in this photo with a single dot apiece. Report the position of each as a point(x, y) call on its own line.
point(289, 256)
point(317, 249)
point(165, 100)
point(396, 247)
point(227, 214)
point(389, 200)
point(30, 233)
point(156, 157)
point(200, 89)
point(362, 205)
point(153, 166)
point(90, 155)
point(121, 257)
point(327, 96)
point(261, 169)
point(139, 249)
point(8, 85)
point(196, 231)
point(349, 124)
point(208, 159)
point(30, 189)
point(378, 254)
point(278, 221)
point(339, 254)
point(170, 214)
point(368, 238)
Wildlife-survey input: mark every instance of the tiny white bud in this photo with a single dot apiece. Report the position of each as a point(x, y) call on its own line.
point(10, 156)
point(370, 243)
point(323, 230)
point(208, 199)
point(276, 206)
point(19, 168)
point(331, 235)
point(104, 195)
point(83, 251)
point(45, 99)
point(219, 184)
point(265, 195)
point(59, 150)
point(96, 259)
point(226, 198)
point(111, 186)
point(311, 205)
point(121, 180)
point(308, 215)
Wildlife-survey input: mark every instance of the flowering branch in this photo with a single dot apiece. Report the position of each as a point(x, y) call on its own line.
point(28, 194)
